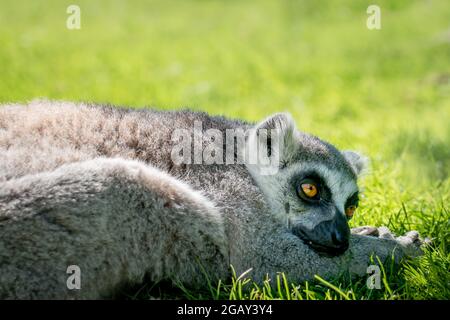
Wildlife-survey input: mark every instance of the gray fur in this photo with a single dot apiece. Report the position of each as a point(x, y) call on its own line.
point(95, 186)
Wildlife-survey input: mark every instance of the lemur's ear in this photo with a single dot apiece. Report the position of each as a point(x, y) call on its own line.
point(270, 142)
point(358, 162)
point(282, 122)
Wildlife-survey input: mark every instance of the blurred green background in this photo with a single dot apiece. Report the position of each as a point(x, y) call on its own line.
point(384, 92)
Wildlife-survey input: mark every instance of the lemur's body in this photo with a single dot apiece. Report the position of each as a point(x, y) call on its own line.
point(96, 187)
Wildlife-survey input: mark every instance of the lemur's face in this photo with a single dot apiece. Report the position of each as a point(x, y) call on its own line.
point(314, 189)
point(318, 201)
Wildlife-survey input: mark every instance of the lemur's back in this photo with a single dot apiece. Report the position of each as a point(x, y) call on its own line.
point(43, 135)
point(72, 194)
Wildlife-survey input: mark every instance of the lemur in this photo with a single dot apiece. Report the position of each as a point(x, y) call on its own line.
point(96, 186)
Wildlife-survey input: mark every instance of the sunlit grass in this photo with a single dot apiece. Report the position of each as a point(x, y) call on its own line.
point(385, 93)
point(423, 278)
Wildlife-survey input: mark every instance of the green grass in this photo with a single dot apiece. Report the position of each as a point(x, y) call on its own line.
point(386, 93)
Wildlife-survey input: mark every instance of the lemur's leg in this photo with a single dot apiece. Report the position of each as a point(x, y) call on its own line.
point(282, 251)
point(115, 219)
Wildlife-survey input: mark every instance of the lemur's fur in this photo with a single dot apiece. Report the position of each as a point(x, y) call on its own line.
point(95, 186)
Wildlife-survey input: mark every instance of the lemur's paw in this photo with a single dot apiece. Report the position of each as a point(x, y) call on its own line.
point(385, 233)
point(411, 237)
point(410, 242)
point(366, 231)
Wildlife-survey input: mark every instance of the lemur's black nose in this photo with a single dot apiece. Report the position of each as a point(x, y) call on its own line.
point(338, 237)
point(341, 232)
point(340, 241)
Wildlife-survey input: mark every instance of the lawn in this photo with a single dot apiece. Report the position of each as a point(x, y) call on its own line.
point(384, 92)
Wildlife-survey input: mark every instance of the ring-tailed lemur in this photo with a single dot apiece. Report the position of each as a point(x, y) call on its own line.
point(96, 187)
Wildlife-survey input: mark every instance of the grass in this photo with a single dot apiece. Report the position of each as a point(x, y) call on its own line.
point(424, 278)
point(385, 92)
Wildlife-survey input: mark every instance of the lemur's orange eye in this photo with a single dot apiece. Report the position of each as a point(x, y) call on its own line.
point(350, 211)
point(309, 189)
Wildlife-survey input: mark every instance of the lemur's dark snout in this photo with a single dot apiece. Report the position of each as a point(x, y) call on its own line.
point(340, 241)
point(341, 232)
point(330, 238)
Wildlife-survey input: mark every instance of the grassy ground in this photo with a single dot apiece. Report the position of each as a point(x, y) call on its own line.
point(385, 92)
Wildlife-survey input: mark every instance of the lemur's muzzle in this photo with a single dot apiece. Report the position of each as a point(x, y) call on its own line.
point(330, 238)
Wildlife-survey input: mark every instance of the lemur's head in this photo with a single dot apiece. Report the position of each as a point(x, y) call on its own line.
point(311, 186)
